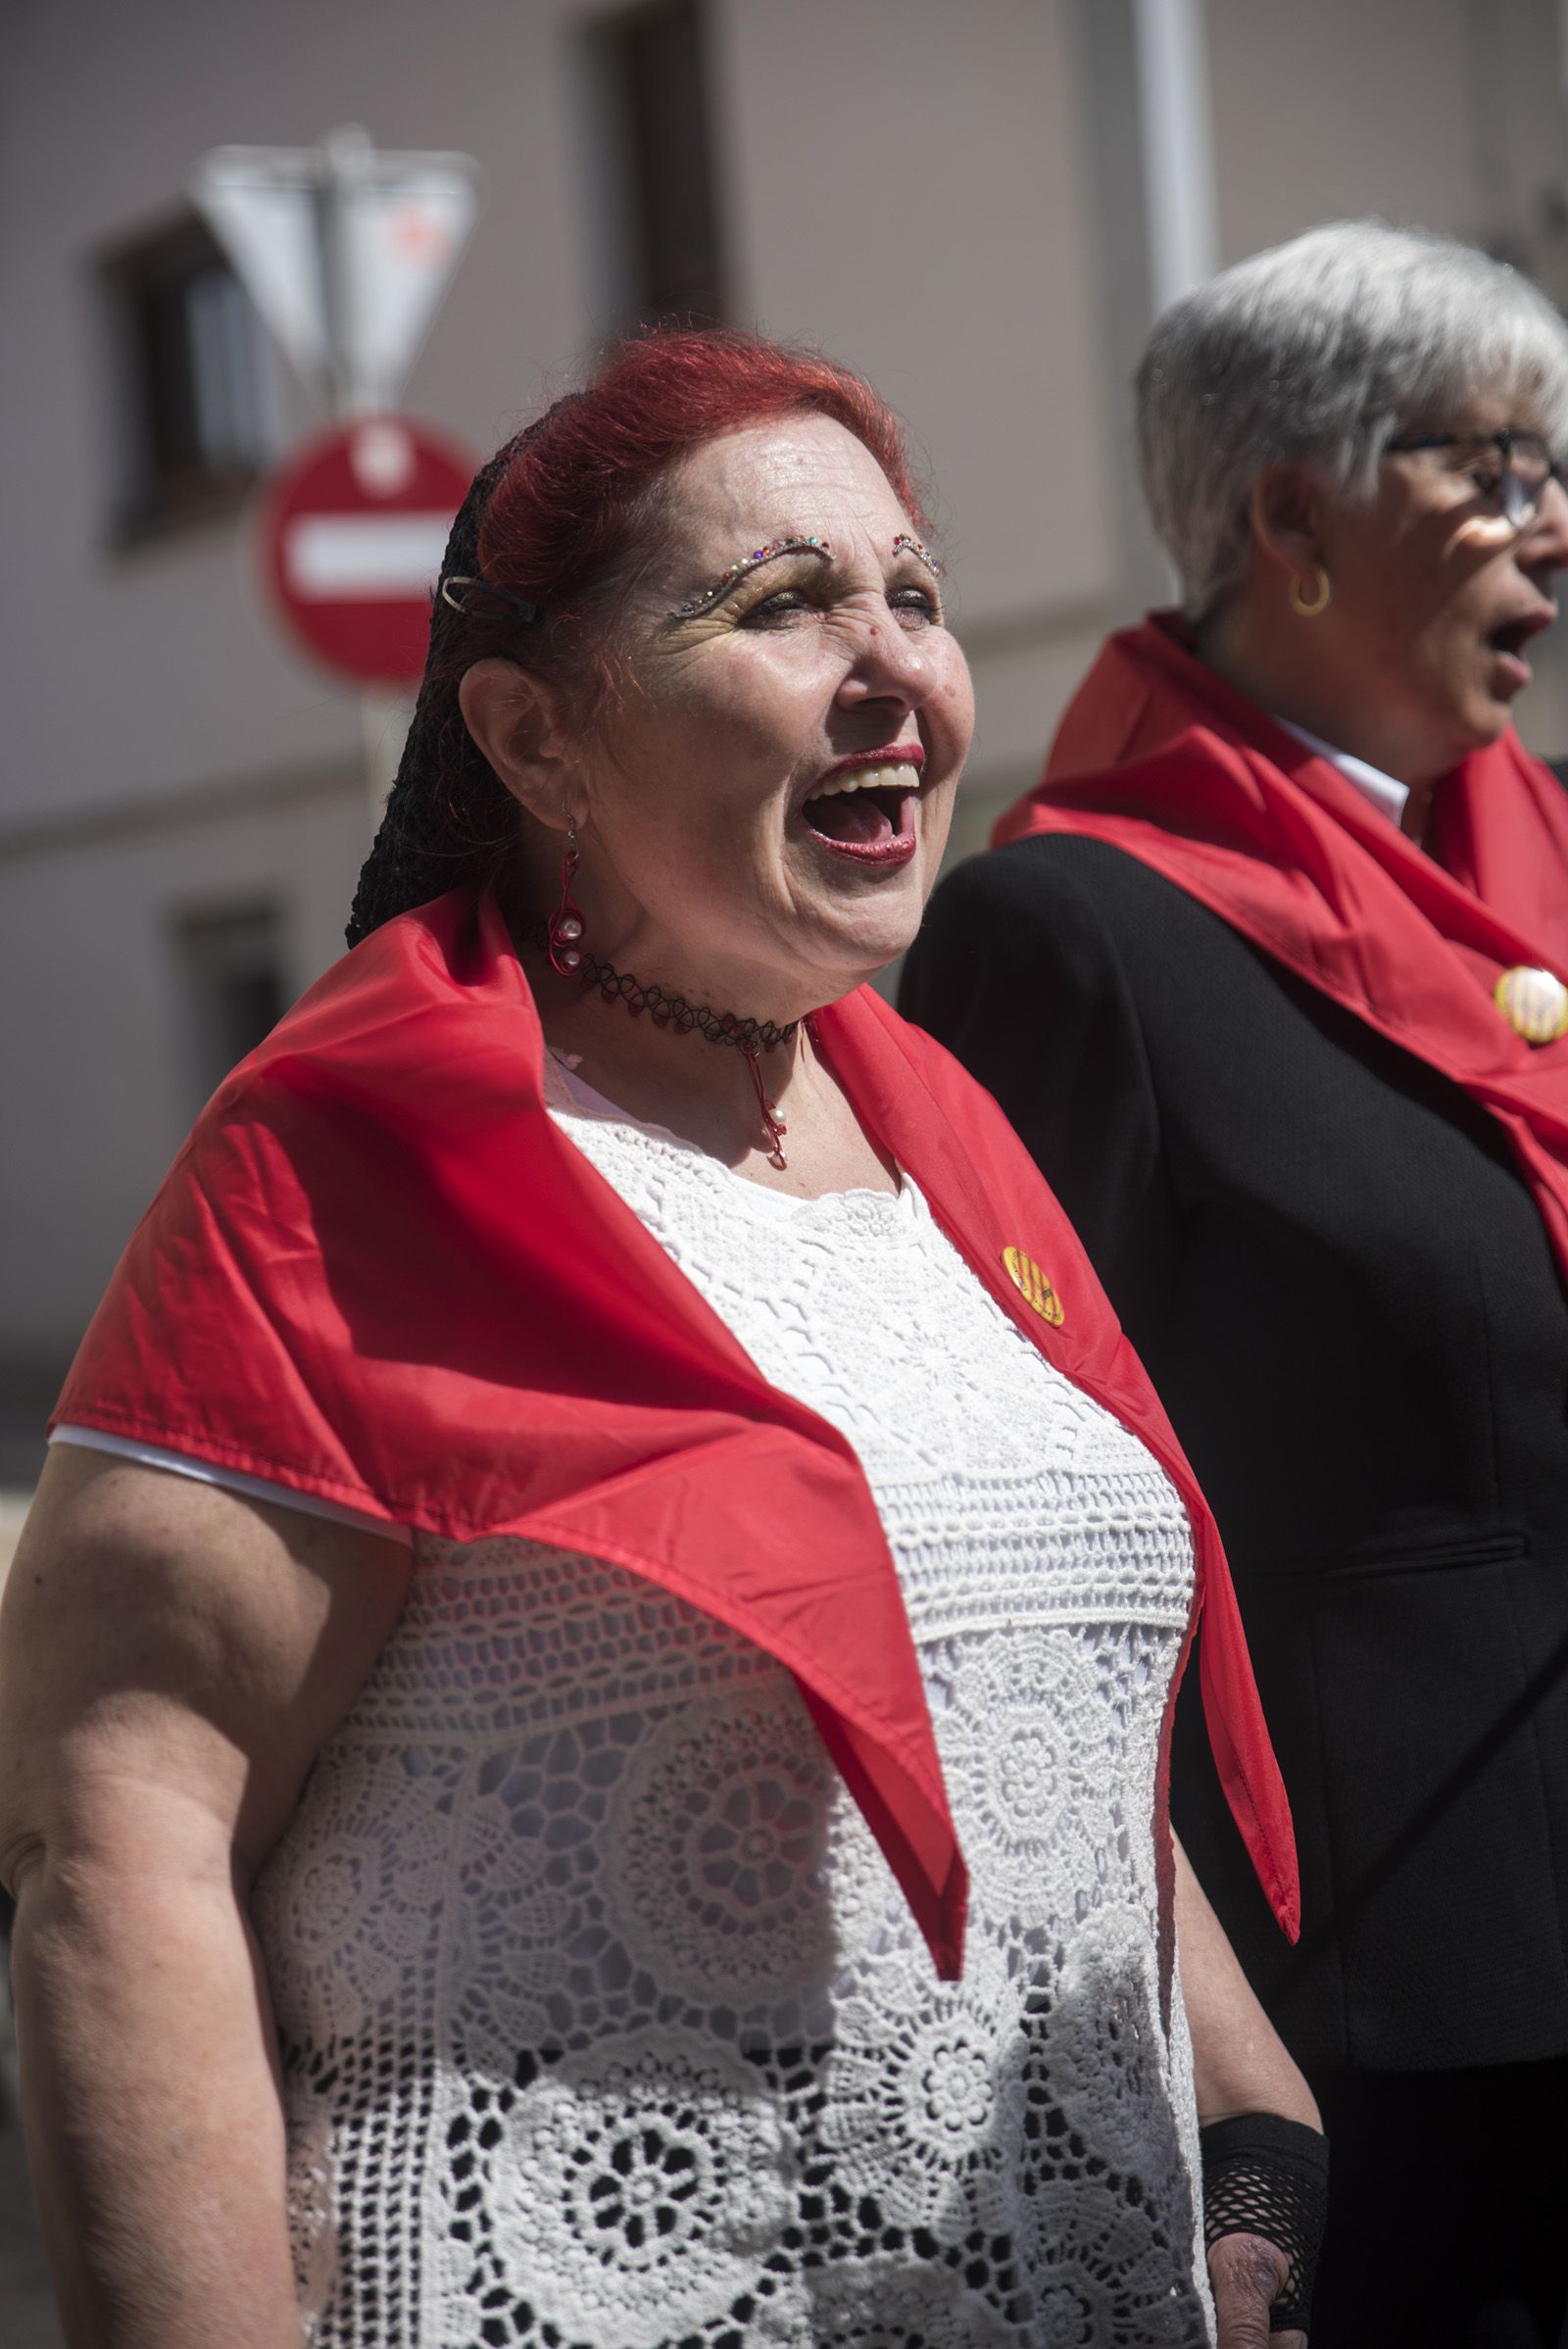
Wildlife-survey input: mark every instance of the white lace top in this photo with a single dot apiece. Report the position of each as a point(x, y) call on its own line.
point(605, 2025)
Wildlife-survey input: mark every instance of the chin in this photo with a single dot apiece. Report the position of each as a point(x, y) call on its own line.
point(1486, 722)
point(1459, 725)
point(863, 922)
point(856, 952)
point(894, 935)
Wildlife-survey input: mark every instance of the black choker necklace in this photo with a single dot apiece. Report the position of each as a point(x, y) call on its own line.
point(749, 1036)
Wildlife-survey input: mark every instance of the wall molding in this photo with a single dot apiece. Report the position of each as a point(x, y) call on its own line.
point(97, 824)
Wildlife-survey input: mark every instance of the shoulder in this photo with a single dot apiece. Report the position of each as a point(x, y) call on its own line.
point(942, 1081)
point(1056, 917)
point(174, 1655)
point(1055, 890)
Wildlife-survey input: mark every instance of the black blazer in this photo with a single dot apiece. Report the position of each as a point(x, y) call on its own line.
point(1335, 1275)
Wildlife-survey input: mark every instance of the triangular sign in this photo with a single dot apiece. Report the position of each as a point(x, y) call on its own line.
point(345, 251)
point(403, 234)
point(264, 211)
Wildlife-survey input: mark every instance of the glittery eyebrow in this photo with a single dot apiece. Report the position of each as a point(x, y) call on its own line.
point(738, 571)
point(917, 547)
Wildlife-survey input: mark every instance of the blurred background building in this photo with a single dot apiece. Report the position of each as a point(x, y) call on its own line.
point(979, 206)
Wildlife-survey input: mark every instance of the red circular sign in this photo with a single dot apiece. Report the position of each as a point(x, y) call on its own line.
point(353, 531)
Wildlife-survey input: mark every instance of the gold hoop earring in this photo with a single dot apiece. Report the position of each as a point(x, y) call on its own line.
point(1322, 593)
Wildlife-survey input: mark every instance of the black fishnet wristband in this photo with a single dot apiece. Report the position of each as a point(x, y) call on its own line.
point(1267, 2176)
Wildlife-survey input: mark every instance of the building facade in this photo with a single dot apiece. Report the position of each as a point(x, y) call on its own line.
point(962, 203)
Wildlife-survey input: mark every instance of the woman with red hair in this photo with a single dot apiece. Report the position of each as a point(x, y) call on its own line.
point(583, 1728)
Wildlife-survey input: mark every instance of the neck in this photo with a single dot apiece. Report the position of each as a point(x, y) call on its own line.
point(1275, 681)
point(667, 1058)
point(663, 1008)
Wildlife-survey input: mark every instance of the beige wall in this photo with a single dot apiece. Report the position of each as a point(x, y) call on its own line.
point(916, 185)
point(1346, 107)
point(98, 1068)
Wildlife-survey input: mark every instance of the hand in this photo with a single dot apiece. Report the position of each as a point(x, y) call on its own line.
point(1247, 2275)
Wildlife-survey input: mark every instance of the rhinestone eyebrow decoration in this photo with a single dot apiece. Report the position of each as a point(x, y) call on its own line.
point(917, 547)
point(737, 571)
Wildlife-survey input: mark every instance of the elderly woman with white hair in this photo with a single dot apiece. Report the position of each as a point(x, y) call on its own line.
point(1270, 975)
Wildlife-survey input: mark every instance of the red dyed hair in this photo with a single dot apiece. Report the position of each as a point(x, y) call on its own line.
point(566, 510)
point(555, 518)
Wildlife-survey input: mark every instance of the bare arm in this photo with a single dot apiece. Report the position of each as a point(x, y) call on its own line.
point(1240, 2062)
point(1239, 2065)
point(172, 1659)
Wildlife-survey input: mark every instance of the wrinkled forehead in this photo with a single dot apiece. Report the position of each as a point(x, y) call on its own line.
point(794, 474)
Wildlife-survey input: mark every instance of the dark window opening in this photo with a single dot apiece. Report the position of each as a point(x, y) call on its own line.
point(233, 968)
point(654, 73)
point(187, 355)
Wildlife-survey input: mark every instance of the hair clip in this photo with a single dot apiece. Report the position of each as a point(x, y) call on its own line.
point(737, 571)
point(503, 595)
point(917, 547)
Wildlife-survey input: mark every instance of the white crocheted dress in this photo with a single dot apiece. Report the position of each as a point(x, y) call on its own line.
point(604, 2022)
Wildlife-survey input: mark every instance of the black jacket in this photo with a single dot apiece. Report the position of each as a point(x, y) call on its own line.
point(1347, 1300)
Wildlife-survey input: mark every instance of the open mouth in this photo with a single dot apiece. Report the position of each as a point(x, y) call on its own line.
point(867, 813)
point(1509, 642)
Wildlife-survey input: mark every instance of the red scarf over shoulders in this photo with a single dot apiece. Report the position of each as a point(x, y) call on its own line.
point(1159, 757)
point(378, 1272)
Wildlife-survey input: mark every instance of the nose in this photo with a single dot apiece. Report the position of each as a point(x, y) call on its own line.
point(1545, 546)
point(891, 665)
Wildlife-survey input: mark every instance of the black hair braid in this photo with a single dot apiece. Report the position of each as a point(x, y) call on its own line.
point(447, 817)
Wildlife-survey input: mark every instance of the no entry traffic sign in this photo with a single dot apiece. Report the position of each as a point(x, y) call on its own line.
point(353, 529)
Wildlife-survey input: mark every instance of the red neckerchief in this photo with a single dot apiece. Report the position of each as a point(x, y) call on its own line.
point(380, 1273)
point(1159, 757)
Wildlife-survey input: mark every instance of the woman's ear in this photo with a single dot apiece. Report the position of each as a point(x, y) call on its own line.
point(1286, 512)
point(512, 717)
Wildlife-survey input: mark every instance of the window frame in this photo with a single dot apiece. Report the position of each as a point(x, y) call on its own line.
point(638, 134)
point(142, 288)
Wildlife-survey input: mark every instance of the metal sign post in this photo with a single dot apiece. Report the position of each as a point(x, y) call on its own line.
point(346, 251)
point(1178, 141)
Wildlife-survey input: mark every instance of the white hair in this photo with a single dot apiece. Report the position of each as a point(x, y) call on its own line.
point(1321, 352)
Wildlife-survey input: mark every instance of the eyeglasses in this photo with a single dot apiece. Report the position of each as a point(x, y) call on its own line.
point(1525, 465)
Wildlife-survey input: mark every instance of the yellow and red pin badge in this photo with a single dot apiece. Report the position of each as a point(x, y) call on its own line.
point(1534, 1003)
point(1026, 1276)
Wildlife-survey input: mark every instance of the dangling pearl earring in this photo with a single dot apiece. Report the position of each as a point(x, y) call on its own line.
point(563, 935)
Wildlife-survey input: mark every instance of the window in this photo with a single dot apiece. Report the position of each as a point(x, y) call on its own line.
point(652, 71)
point(191, 378)
point(232, 967)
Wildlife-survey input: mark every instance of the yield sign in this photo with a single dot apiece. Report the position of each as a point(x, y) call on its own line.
point(352, 534)
point(345, 250)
